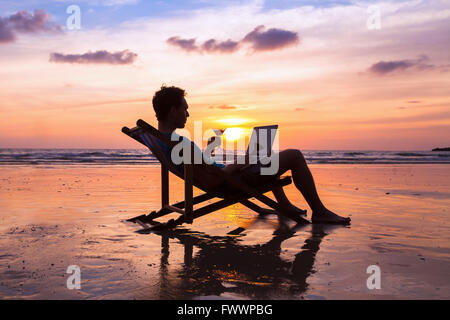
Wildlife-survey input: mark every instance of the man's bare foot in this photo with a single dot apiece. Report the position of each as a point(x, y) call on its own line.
point(327, 216)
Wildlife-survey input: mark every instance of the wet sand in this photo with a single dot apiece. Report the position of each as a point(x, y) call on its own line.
point(53, 217)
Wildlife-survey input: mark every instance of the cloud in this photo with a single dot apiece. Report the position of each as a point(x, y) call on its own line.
point(223, 107)
point(97, 57)
point(185, 44)
point(385, 67)
point(271, 39)
point(259, 40)
point(26, 22)
point(299, 109)
point(6, 33)
point(213, 45)
point(210, 46)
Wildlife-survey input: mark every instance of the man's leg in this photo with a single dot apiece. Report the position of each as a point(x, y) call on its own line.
point(293, 160)
point(284, 201)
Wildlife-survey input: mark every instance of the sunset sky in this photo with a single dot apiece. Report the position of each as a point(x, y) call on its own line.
point(315, 68)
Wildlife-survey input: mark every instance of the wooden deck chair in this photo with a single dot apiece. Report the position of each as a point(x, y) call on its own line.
point(235, 190)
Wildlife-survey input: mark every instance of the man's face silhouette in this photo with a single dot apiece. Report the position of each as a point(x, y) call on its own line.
point(179, 114)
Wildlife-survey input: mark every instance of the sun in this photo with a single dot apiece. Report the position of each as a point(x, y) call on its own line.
point(233, 134)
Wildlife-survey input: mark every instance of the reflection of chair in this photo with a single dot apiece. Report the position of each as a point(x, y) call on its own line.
point(223, 265)
point(232, 191)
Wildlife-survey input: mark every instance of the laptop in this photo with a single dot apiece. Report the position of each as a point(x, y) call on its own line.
point(261, 142)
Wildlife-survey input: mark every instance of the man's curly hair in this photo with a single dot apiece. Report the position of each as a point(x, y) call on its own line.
point(165, 98)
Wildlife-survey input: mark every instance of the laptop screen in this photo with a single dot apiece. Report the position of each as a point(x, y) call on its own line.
point(261, 141)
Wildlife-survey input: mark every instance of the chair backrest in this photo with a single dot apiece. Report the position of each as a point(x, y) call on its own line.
point(149, 136)
point(152, 139)
point(155, 147)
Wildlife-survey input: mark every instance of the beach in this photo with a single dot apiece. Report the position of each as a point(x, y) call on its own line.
point(96, 95)
point(56, 216)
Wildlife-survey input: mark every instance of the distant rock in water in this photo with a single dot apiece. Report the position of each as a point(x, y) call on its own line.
point(441, 149)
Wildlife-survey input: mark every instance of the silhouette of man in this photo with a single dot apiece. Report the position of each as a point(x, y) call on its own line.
point(171, 110)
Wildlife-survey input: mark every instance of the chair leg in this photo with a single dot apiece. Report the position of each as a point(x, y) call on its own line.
point(164, 186)
point(188, 193)
point(196, 214)
point(257, 208)
point(164, 211)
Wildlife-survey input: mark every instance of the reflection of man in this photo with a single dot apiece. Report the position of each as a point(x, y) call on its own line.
point(171, 111)
point(246, 265)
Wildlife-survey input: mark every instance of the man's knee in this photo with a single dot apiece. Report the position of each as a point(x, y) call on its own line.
point(297, 155)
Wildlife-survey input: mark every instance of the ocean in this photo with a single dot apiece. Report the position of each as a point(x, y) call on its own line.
point(142, 157)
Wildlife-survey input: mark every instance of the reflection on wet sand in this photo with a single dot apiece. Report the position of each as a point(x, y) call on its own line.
point(55, 217)
point(224, 267)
